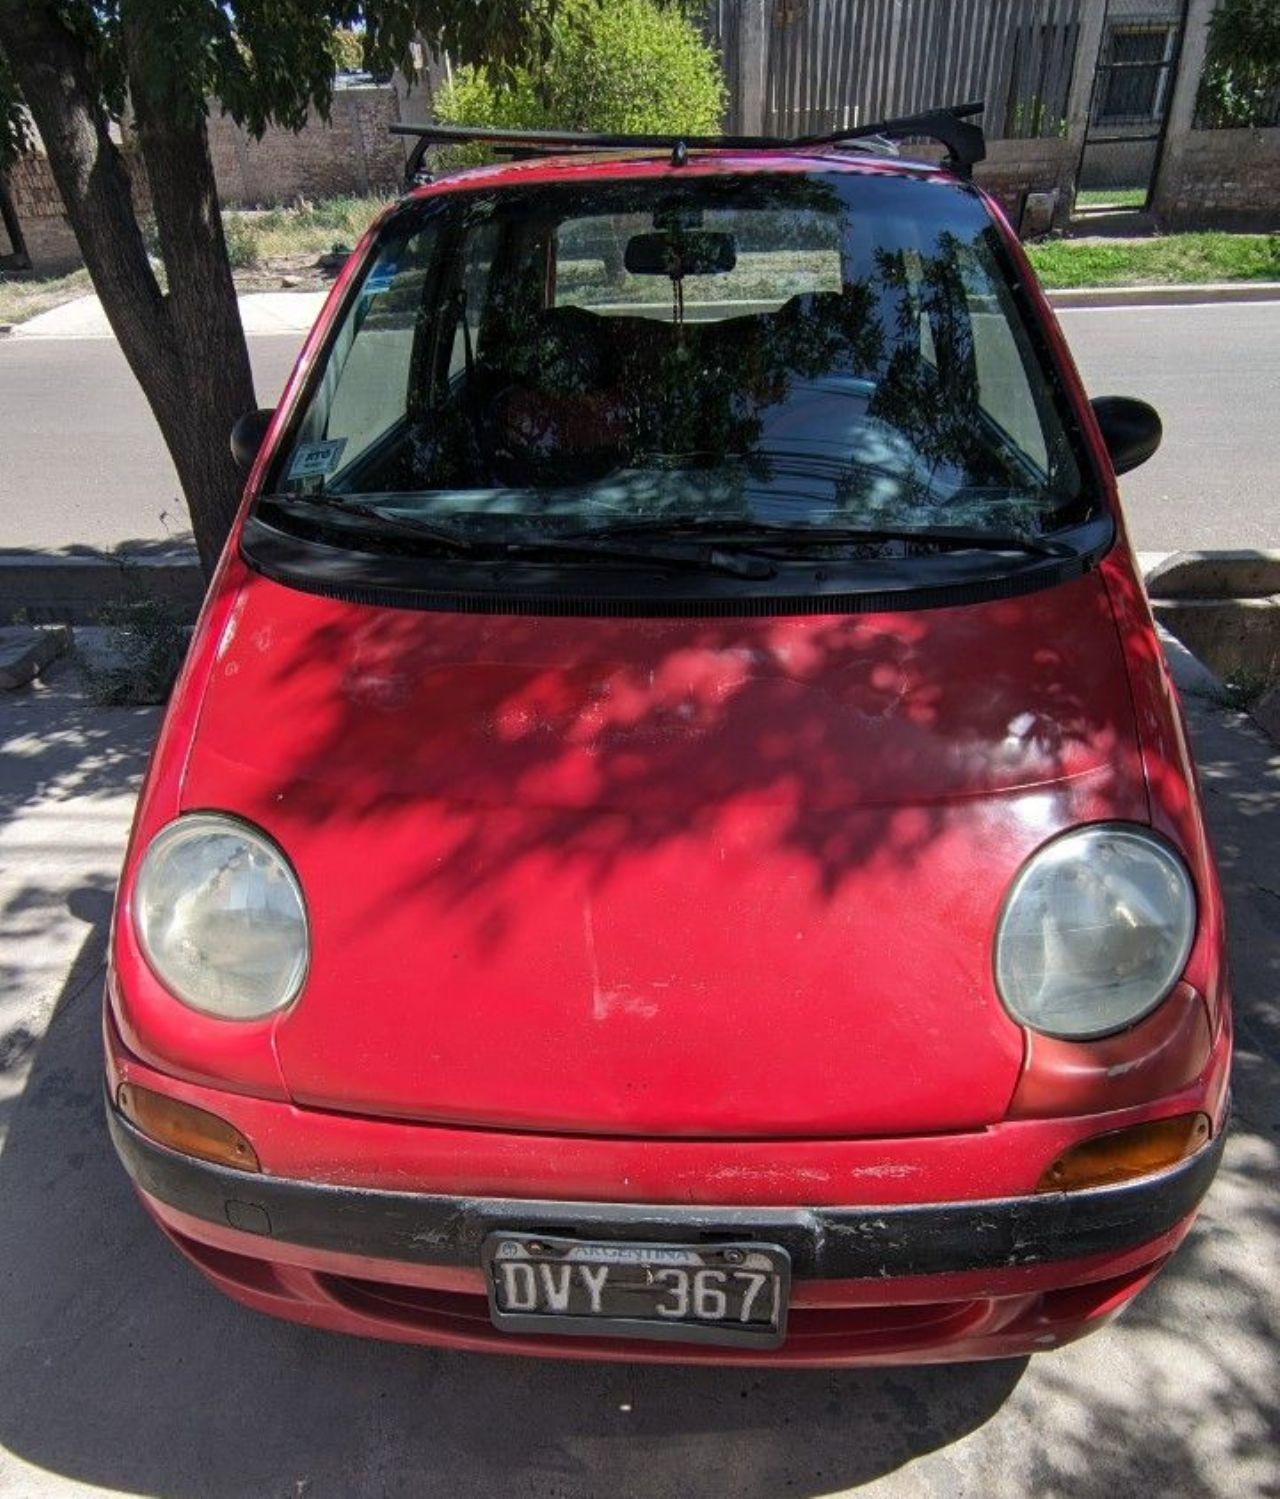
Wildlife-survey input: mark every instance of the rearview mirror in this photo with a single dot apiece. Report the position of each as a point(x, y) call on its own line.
point(247, 435)
point(1131, 430)
point(689, 253)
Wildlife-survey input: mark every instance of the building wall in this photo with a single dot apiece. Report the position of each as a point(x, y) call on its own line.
point(45, 230)
point(355, 154)
point(1220, 179)
point(351, 152)
point(1015, 168)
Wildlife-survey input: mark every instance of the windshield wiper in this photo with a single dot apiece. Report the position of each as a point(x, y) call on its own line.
point(589, 546)
point(388, 523)
point(771, 533)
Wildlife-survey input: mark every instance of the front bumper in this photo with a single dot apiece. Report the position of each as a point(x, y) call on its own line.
point(824, 1243)
point(910, 1283)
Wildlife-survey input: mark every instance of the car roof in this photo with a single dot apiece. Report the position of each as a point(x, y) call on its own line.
point(608, 166)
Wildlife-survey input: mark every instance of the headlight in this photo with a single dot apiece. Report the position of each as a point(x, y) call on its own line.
point(220, 917)
point(1095, 931)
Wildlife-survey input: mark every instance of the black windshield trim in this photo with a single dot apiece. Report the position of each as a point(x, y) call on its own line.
point(761, 535)
point(526, 587)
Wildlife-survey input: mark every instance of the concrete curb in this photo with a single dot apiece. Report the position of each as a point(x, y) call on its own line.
point(25, 651)
point(1224, 608)
point(1190, 675)
point(1266, 713)
point(54, 588)
point(1212, 575)
point(1237, 638)
point(1211, 293)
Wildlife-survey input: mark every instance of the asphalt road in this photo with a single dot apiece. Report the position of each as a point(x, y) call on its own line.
point(121, 1371)
point(81, 463)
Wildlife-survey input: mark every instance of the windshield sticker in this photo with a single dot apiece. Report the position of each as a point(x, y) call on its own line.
point(312, 460)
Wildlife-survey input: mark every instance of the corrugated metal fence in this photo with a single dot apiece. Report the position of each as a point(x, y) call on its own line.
point(834, 63)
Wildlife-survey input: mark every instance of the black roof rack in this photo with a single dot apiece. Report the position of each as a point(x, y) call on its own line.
point(950, 127)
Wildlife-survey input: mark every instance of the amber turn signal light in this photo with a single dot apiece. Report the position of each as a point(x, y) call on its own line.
point(1122, 1154)
point(183, 1127)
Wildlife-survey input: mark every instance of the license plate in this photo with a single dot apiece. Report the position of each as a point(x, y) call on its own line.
point(704, 1293)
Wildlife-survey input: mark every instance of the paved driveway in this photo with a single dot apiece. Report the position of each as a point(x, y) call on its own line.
point(120, 1370)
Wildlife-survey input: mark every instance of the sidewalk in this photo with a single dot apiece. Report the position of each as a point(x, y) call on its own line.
point(122, 1371)
point(291, 312)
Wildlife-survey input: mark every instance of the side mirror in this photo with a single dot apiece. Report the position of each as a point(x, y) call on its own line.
point(247, 435)
point(1131, 430)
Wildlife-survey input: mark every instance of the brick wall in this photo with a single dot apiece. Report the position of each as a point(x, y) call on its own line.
point(351, 152)
point(49, 240)
point(1014, 168)
point(1220, 179)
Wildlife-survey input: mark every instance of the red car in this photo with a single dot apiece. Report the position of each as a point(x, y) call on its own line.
point(674, 839)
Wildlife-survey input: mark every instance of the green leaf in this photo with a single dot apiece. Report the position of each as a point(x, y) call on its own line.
point(1240, 85)
point(347, 49)
point(629, 65)
point(268, 62)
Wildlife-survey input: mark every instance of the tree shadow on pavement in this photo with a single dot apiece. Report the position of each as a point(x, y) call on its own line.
point(58, 747)
point(1183, 1398)
point(68, 776)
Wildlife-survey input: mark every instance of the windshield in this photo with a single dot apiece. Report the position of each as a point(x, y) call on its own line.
point(837, 351)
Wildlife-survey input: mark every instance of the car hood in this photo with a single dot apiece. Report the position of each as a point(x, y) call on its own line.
point(662, 876)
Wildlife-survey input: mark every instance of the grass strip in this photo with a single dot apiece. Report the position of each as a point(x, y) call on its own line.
point(22, 297)
point(1165, 260)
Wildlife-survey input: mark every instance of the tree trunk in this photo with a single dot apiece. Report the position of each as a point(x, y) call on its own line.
point(214, 379)
point(186, 349)
point(17, 257)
